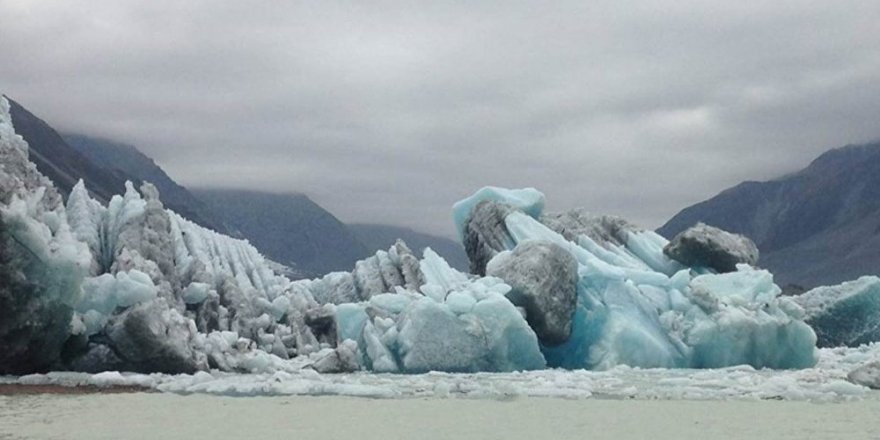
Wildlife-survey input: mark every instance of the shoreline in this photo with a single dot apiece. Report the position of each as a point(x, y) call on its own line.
point(15, 389)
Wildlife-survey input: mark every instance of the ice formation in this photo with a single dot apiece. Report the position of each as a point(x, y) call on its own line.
point(867, 375)
point(637, 307)
point(828, 381)
point(132, 286)
point(41, 263)
point(148, 291)
point(457, 324)
point(846, 314)
point(543, 280)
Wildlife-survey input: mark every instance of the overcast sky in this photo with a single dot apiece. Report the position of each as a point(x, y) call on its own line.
point(389, 113)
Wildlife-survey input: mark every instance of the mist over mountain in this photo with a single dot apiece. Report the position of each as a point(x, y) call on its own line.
point(129, 161)
point(820, 225)
point(61, 163)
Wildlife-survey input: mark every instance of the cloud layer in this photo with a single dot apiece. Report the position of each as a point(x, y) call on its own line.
point(389, 113)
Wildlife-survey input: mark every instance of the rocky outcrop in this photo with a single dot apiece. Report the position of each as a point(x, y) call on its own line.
point(707, 246)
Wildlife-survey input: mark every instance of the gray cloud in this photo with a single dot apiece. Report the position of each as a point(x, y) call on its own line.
point(391, 112)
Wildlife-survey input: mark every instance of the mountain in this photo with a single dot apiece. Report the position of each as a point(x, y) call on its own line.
point(377, 237)
point(129, 161)
point(818, 226)
point(288, 228)
point(59, 162)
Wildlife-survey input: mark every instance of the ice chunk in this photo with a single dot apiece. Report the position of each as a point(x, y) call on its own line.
point(103, 294)
point(197, 292)
point(528, 200)
point(867, 375)
point(343, 359)
point(543, 277)
point(150, 337)
point(473, 328)
point(846, 314)
point(437, 272)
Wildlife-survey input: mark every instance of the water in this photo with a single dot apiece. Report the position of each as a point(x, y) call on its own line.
point(170, 416)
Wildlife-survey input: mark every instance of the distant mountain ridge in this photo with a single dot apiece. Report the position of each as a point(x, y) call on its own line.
point(383, 236)
point(58, 161)
point(820, 225)
point(289, 228)
point(129, 160)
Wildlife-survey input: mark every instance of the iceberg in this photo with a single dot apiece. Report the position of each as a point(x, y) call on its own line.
point(133, 286)
point(847, 314)
point(636, 306)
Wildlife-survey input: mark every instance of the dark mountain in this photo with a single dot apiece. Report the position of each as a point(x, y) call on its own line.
point(288, 228)
point(818, 226)
point(129, 161)
point(61, 163)
point(383, 236)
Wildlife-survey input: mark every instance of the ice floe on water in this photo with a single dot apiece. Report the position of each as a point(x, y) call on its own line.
point(826, 382)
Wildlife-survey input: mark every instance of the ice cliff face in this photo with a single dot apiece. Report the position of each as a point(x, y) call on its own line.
point(635, 306)
point(41, 263)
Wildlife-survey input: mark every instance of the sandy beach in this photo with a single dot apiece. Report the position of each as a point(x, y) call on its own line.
point(169, 416)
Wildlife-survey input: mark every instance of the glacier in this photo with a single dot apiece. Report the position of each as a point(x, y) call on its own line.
point(133, 286)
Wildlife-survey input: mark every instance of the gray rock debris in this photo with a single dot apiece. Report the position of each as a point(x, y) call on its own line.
point(867, 375)
point(602, 229)
point(343, 359)
point(544, 281)
point(485, 234)
point(708, 246)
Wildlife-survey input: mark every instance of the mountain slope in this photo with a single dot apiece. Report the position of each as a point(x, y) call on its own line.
point(818, 226)
point(59, 162)
point(377, 237)
point(288, 228)
point(131, 162)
